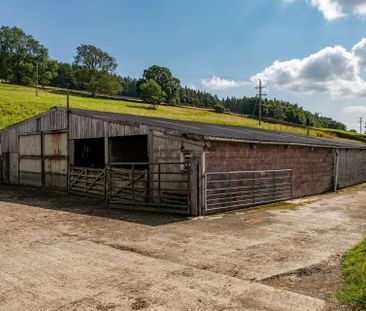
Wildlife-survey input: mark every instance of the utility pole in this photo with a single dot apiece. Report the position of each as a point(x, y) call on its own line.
point(37, 78)
point(260, 94)
point(361, 125)
point(67, 99)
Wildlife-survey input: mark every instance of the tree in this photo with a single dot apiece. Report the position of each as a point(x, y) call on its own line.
point(151, 92)
point(163, 76)
point(19, 55)
point(96, 68)
point(65, 76)
point(218, 107)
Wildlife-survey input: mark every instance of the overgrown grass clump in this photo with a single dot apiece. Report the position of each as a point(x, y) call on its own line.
point(353, 292)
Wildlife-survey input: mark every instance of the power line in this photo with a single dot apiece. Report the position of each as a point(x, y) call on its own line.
point(260, 94)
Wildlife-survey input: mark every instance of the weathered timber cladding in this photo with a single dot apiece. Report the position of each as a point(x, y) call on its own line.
point(312, 167)
point(50, 121)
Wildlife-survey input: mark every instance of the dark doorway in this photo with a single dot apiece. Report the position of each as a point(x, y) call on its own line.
point(129, 149)
point(89, 153)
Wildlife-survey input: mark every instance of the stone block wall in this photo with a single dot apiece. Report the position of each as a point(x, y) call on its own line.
point(313, 168)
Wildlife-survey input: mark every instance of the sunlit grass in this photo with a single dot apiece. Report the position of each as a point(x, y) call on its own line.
point(18, 103)
point(353, 292)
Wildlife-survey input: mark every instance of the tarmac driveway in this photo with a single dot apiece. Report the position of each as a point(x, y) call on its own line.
point(62, 252)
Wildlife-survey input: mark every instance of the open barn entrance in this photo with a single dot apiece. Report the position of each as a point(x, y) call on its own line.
point(89, 153)
point(130, 149)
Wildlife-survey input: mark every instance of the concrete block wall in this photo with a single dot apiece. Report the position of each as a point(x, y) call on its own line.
point(313, 168)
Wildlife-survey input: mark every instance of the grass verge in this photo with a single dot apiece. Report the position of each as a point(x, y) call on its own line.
point(353, 292)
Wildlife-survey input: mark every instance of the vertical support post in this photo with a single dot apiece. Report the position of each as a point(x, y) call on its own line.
point(105, 183)
point(85, 180)
point(43, 167)
point(198, 205)
point(336, 166)
point(68, 137)
point(231, 189)
point(253, 186)
point(189, 188)
point(291, 182)
point(273, 185)
point(206, 191)
point(159, 183)
point(37, 78)
point(133, 183)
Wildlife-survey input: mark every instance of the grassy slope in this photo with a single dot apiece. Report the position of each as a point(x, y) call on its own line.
point(18, 103)
point(353, 291)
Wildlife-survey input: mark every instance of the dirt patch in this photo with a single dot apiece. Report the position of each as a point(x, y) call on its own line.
point(318, 281)
point(139, 304)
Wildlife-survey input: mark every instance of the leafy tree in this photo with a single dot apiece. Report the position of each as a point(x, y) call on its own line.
point(152, 93)
point(163, 76)
point(65, 76)
point(95, 69)
point(129, 87)
point(219, 107)
point(110, 84)
point(19, 55)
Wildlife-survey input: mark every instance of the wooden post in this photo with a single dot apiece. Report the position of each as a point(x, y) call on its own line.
point(86, 180)
point(133, 183)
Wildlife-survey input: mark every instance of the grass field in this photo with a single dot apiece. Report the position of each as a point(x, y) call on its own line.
point(18, 103)
point(353, 292)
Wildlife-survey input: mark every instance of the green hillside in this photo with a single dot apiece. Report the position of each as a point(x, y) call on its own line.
point(18, 103)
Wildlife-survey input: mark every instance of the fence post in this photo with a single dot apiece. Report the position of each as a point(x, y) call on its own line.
point(133, 183)
point(189, 188)
point(86, 180)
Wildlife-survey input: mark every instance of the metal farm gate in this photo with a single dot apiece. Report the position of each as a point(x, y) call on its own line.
point(235, 190)
point(162, 187)
point(88, 181)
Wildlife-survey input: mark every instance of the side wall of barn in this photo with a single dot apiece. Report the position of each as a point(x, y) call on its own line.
point(313, 168)
point(163, 146)
point(15, 160)
point(351, 167)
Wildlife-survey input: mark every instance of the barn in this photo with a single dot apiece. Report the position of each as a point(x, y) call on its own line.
point(165, 165)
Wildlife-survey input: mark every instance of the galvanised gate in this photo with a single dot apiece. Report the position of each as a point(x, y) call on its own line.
point(240, 189)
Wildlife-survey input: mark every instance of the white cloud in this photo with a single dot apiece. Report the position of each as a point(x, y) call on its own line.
point(334, 9)
point(217, 83)
point(354, 109)
point(333, 69)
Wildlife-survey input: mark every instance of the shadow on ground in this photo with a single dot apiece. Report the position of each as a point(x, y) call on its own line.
point(65, 202)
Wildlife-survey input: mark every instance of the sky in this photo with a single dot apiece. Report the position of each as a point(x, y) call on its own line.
point(309, 52)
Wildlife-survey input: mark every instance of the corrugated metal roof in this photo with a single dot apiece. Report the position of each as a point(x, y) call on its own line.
point(210, 131)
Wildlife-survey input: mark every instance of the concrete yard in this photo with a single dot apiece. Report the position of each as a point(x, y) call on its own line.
point(62, 252)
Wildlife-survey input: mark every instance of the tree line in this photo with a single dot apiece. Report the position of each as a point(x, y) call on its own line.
point(94, 70)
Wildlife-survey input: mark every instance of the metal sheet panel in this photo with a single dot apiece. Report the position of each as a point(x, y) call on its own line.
point(56, 166)
point(30, 165)
point(56, 182)
point(30, 145)
point(30, 179)
point(13, 168)
point(55, 144)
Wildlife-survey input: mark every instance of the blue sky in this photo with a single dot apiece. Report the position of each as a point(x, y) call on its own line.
point(218, 45)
